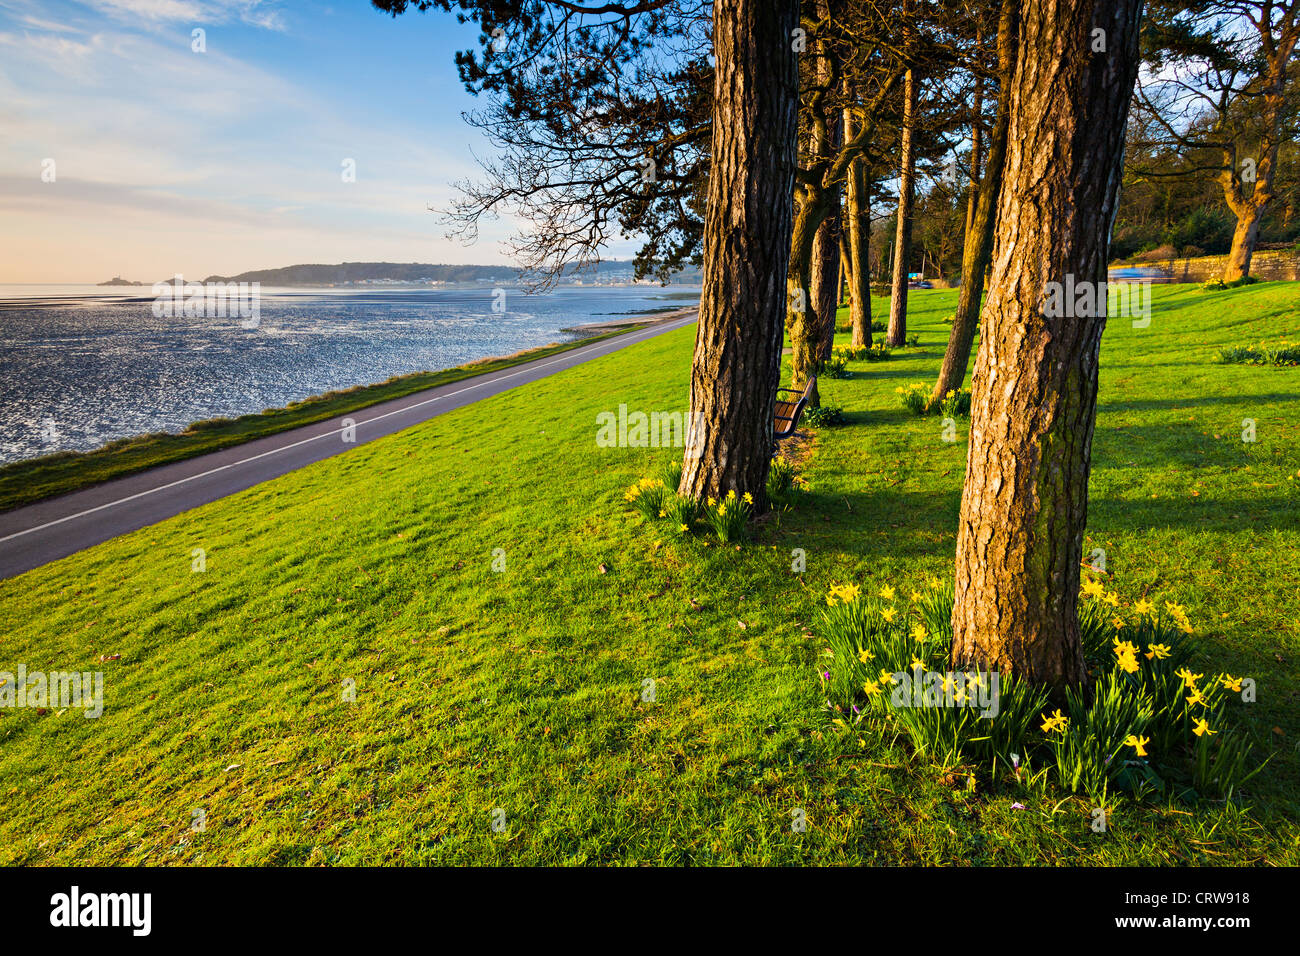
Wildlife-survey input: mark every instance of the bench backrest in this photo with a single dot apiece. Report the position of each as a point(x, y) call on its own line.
point(787, 414)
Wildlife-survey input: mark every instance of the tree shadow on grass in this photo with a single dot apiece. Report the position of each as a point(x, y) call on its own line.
point(1152, 404)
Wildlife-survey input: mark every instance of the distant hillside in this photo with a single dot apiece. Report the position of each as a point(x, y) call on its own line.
point(348, 273)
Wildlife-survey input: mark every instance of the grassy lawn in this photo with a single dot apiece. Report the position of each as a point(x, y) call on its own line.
point(23, 482)
point(522, 690)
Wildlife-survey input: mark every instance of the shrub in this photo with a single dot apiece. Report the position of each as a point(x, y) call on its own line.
point(729, 516)
point(824, 416)
point(1218, 285)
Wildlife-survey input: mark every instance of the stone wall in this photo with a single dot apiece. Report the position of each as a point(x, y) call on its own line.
point(1271, 264)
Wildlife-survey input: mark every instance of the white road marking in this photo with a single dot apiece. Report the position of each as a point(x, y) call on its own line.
point(572, 353)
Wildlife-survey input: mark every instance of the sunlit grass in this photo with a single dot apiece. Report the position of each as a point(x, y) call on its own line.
point(523, 690)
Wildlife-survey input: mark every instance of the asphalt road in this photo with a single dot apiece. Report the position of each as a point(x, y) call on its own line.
point(48, 530)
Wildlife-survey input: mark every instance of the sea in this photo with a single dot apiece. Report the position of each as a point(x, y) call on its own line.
point(84, 365)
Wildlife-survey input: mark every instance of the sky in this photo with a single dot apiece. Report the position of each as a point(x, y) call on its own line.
point(167, 160)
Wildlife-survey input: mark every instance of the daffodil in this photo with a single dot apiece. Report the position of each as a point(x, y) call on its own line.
point(871, 688)
point(1230, 683)
point(886, 677)
point(887, 593)
point(1202, 727)
point(1144, 607)
point(1189, 679)
point(749, 499)
point(1093, 588)
point(1138, 743)
point(1057, 721)
point(918, 664)
point(1158, 651)
point(918, 632)
point(865, 655)
point(889, 614)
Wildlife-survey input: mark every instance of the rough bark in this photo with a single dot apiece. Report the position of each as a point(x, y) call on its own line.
point(977, 250)
point(1025, 501)
point(896, 337)
point(737, 362)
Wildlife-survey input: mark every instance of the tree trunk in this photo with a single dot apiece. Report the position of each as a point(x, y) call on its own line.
point(737, 363)
point(1244, 237)
point(857, 228)
point(896, 337)
point(846, 271)
point(1025, 502)
point(978, 247)
point(826, 270)
point(976, 146)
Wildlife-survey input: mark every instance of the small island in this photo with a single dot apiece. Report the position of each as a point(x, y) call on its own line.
point(118, 280)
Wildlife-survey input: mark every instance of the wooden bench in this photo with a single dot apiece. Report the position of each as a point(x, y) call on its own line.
point(785, 418)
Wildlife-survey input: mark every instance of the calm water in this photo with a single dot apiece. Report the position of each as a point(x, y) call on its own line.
point(98, 365)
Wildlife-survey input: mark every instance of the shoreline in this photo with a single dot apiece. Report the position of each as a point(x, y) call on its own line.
point(643, 320)
point(29, 480)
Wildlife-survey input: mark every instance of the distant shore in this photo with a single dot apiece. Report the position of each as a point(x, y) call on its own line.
point(657, 318)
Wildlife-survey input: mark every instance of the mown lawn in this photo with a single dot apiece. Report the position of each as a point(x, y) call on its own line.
point(522, 690)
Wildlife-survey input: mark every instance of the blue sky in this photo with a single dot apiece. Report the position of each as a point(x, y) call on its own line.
point(167, 160)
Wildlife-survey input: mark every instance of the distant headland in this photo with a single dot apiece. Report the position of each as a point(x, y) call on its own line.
point(611, 272)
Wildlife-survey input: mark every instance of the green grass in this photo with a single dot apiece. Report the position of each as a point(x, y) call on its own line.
point(522, 690)
point(32, 479)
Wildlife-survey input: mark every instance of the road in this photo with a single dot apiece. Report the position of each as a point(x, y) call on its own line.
point(39, 533)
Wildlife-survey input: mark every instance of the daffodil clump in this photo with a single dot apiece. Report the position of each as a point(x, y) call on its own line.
point(1146, 724)
point(729, 517)
point(916, 399)
point(884, 647)
point(877, 352)
point(657, 500)
point(650, 497)
point(784, 483)
point(1266, 353)
point(1149, 723)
